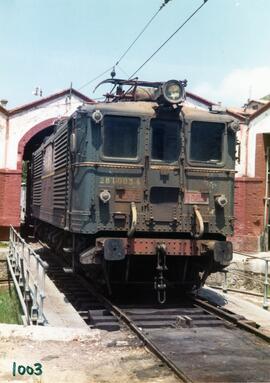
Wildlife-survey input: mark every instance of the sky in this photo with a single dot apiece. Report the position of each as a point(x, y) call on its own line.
point(223, 51)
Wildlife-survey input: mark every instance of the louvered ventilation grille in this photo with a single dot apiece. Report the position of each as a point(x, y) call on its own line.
point(37, 172)
point(60, 178)
point(60, 147)
point(37, 193)
point(38, 159)
point(60, 185)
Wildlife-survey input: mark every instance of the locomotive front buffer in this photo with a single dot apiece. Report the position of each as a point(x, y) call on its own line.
point(117, 249)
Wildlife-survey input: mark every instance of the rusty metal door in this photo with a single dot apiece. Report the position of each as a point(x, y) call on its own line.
point(163, 173)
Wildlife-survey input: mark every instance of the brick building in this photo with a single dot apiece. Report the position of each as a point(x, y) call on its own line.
point(251, 212)
point(21, 130)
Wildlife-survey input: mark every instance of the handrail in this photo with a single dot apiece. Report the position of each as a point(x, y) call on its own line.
point(265, 304)
point(200, 221)
point(28, 273)
point(132, 229)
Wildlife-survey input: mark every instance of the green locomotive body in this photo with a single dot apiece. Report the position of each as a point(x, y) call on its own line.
point(138, 178)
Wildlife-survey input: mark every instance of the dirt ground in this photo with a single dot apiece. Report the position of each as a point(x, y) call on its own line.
point(116, 357)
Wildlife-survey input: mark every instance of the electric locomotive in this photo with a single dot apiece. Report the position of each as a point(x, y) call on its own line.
point(140, 182)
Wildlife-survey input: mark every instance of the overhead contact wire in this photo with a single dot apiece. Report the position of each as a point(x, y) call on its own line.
point(165, 2)
point(96, 78)
point(137, 38)
point(168, 39)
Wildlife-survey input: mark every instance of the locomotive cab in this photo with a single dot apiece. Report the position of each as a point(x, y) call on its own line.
point(146, 182)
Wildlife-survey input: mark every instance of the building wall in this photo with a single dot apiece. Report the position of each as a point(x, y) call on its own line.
point(248, 211)
point(242, 139)
point(3, 126)
point(259, 125)
point(250, 185)
point(10, 189)
point(21, 123)
point(15, 132)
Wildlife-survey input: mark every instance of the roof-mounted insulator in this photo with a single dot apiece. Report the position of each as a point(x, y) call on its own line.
point(113, 73)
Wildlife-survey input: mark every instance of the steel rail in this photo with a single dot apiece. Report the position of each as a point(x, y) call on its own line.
point(230, 317)
point(246, 292)
point(123, 317)
point(208, 307)
point(227, 317)
point(149, 344)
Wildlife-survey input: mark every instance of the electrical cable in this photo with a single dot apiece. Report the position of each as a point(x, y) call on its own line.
point(138, 36)
point(165, 2)
point(95, 78)
point(168, 39)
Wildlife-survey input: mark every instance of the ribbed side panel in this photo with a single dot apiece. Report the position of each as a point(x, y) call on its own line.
point(37, 172)
point(59, 190)
point(37, 193)
point(60, 181)
point(60, 147)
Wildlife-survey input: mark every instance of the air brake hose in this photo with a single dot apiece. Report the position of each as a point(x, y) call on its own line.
point(199, 219)
point(133, 220)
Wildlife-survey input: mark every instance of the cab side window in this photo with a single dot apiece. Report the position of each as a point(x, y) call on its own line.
point(121, 137)
point(165, 140)
point(206, 141)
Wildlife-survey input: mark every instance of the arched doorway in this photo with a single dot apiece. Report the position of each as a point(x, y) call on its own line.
point(26, 184)
point(11, 180)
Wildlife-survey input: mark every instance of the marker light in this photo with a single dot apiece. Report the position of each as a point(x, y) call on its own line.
point(97, 116)
point(173, 91)
point(105, 196)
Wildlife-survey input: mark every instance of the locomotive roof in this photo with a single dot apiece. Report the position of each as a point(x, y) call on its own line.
point(146, 108)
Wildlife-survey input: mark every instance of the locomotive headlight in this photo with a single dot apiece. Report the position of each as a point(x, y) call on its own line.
point(173, 91)
point(105, 196)
point(97, 116)
point(221, 200)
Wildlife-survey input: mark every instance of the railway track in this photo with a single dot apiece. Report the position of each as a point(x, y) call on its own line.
point(198, 341)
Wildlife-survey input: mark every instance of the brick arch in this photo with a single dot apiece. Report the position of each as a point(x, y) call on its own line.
point(10, 183)
point(28, 135)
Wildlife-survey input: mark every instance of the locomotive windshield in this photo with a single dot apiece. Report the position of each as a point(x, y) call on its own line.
point(206, 141)
point(120, 136)
point(165, 140)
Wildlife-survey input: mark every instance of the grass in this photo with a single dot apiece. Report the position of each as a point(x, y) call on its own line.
point(3, 245)
point(10, 311)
